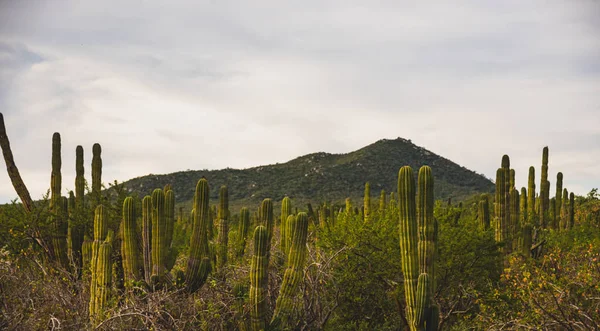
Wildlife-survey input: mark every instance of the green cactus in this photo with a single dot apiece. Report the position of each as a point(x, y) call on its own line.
point(266, 219)
point(552, 219)
point(147, 237)
point(243, 227)
point(259, 279)
point(367, 203)
point(515, 225)
point(558, 198)
point(418, 237)
point(531, 214)
point(293, 273)
point(57, 219)
point(382, 203)
point(564, 212)
point(286, 210)
point(211, 222)
point(501, 233)
point(96, 174)
point(544, 190)
point(86, 254)
point(527, 240)
point(571, 210)
point(100, 266)
point(484, 213)
point(170, 219)
point(159, 236)
point(198, 266)
point(74, 234)
point(523, 207)
point(130, 248)
point(223, 235)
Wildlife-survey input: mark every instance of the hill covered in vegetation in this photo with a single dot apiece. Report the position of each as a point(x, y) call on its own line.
point(324, 176)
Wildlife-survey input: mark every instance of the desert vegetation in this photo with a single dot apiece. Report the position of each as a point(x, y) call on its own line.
point(104, 257)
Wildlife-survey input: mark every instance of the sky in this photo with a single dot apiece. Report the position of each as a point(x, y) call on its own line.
point(171, 86)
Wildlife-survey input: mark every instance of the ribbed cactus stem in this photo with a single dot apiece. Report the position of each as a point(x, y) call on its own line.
point(484, 213)
point(259, 279)
point(552, 218)
point(523, 207)
point(531, 214)
point(286, 210)
point(544, 190)
point(100, 266)
point(571, 210)
point(293, 273)
point(79, 179)
point(147, 237)
point(58, 221)
point(501, 231)
point(564, 215)
point(198, 266)
point(159, 236)
point(96, 173)
point(418, 238)
point(169, 216)
point(367, 202)
point(222, 239)
point(74, 234)
point(86, 254)
point(558, 198)
point(130, 248)
point(382, 203)
point(348, 206)
point(267, 220)
point(243, 229)
point(515, 225)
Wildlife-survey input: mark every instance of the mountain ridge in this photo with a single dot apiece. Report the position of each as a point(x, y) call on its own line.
point(323, 176)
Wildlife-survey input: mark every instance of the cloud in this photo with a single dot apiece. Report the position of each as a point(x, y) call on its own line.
point(196, 85)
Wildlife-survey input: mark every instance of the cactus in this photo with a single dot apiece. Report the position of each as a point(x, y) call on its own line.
point(523, 207)
point(418, 236)
point(74, 234)
point(243, 227)
point(266, 219)
point(211, 222)
point(130, 248)
point(170, 220)
point(564, 212)
point(367, 203)
point(544, 190)
point(527, 240)
point(96, 174)
point(159, 236)
point(484, 213)
point(259, 279)
point(382, 203)
point(571, 210)
point(558, 198)
point(531, 214)
point(286, 210)
point(223, 235)
point(58, 220)
point(147, 237)
point(100, 266)
point(552, 219)
point(198, 266)
point(515, 226)
point(86, 254)
point(293, 273)
point(501, 231)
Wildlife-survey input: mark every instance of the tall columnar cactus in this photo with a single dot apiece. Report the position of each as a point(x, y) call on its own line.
point(259, 279)
point(100, 266)
point(212, 214)
point(552, 218)
point(170, 219)
point(523, 207)
point(571, 210)
point(382, 203)
point(74, 234)
point(198, 266)
point(531, 214)
point(501, 231)
point(544, 190)
point(484, 213)
point(293, 273)
point(159, 236)
point(266, 219)
point(286, 210)
point(79, 180)
point(147, 237)
point(367, 202)
point(243, 227)
point(564, 214)
point(59, 222)
point(223, 235)
point(130, 248)
point(86, 254)
point(96, 173)
point(558, 198)
point(418, 237)
point(508, 188)
point(515, 226)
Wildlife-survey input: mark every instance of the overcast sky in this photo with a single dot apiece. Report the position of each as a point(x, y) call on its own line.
point(166, 86)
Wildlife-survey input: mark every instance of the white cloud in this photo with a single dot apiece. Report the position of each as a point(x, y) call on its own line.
point(194, 85)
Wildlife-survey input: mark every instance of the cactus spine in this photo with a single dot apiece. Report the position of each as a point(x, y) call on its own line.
point(198, 266)
point(367, 202)
point(132, 264)
point(259, 279)
point(286, 210)
point(223, 227)
point(147, 237)
point(101, 266)
point(243, 227)
point(484, 213)
point(418, 237)
point(294, 271)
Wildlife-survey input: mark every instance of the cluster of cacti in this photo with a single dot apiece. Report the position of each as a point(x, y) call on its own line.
point(101, 265)
point(223, 234)
point(418, 237)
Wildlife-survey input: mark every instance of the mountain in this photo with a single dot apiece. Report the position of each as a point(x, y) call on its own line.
point(323, 177)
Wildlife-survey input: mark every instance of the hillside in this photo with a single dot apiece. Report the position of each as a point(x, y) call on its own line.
point(323, 176)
